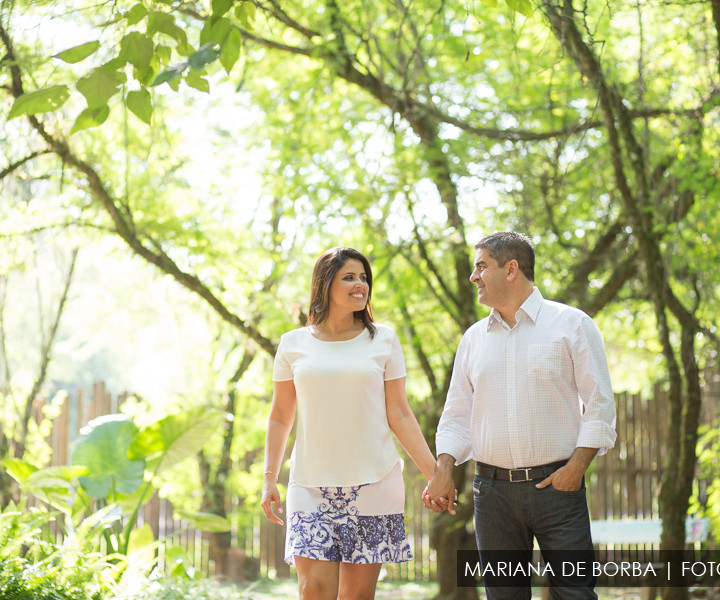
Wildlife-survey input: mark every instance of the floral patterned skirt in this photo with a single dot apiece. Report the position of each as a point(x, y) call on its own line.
point(358, 524)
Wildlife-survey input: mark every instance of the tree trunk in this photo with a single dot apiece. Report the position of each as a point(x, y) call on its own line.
point(450, 534)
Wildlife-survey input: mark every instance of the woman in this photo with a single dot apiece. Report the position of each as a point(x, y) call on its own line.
point(346, 376)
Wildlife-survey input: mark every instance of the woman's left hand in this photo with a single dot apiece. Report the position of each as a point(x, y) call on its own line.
point(270, 496)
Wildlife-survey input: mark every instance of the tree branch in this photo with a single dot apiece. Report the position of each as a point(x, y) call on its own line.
point(45, 353)
point(715, 4)
point(124, 229)
point(404, 103)
point(16, 165)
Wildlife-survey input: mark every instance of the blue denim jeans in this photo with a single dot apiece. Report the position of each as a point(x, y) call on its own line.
point(507, 518)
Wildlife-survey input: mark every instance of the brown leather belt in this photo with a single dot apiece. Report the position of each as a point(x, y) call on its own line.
point(518, 475)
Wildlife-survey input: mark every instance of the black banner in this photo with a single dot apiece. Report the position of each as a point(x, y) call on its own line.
point(620, 568)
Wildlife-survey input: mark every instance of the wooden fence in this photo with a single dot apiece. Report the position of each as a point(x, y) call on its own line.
point(621, 484)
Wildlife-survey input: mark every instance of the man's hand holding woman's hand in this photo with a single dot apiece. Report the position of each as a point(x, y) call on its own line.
point(440, 493)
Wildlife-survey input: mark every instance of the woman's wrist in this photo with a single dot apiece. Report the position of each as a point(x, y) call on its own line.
point(268, 473)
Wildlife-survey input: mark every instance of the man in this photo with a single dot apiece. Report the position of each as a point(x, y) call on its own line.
point(531, 401)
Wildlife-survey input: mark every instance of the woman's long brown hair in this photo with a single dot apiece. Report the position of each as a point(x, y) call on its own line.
point(324, 272)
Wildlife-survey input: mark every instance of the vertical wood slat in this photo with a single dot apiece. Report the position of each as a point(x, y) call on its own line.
point(61, 434)
point(631, 452)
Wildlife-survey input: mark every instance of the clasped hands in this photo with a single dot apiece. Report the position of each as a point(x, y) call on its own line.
point(440, 493)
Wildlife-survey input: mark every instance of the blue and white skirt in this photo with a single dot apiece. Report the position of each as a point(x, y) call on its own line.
point(359, 524)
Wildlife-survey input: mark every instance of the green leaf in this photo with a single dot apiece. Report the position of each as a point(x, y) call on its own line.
point(91, 117)
point(176, 437)
point(140, 104)
point(230, 51)
point(524, 7)
point(165, 23)
point(78, 53)
point(220, 7)
point(102, 447)
point(136, 13)
point(169, 75)
point(196, 81)
point(137, 49)
point(39, 101)
point(18, 469)
point(115, 64)
point(100, 86)
point(163, 54)
point(51, 484)
point(205, 521)
point(141, 538)
point(178, 563)
point(204, 56)
point(103, 519)
point(57, 473)
point(215, 30)
point(245, 13)
point(144, 76)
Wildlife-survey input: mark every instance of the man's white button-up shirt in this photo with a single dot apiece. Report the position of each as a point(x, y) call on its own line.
point(529, 395)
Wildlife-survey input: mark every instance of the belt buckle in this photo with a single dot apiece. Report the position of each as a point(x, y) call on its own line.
point(525, 471)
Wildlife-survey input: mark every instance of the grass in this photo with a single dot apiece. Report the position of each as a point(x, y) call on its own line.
point(266, 589)
point(286, 589)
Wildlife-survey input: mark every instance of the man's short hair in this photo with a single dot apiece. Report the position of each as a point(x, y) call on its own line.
point(503, 246)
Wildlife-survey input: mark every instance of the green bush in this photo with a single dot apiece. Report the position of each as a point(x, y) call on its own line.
point(33, 567)
point(180, 588)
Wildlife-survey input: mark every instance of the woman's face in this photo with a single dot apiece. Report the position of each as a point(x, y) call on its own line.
point(349, 289)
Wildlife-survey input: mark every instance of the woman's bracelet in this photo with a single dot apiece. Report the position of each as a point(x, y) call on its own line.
point(268, 472)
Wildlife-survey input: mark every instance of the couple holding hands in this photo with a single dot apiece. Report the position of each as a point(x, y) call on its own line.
point(530, 401)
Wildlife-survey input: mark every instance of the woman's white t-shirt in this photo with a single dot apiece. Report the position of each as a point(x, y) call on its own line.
point(343, 437)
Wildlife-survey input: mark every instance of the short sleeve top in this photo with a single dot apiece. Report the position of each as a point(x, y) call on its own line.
point(343, 436)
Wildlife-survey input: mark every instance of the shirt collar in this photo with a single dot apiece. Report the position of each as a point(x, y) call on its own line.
point(531, 307)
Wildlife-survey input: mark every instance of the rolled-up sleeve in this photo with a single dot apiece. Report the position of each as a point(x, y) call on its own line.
point(453, 435)
point(597, 423)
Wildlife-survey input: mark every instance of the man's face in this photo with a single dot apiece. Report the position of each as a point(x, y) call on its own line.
point(489, 278)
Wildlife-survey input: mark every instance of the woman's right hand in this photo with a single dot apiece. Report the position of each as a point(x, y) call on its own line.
point(270, 496)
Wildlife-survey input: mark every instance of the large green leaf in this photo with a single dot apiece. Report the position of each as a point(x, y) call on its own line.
point(140, 104)
point(55, 474)
point(178, 563)
point(51, 484)
point(524, 7)
point(215, 30)
point(135, 14)
point(142, 539)
point(206, 54)
point(77, 53)
point(230, 51)
point(245, 13)
point(100, 86)
point(169, 75)
point(176, 437)
point(103, 448)
point(18, 469)
point(165, 23)
point(91, 117)
point(220, 7)
point(39, 101)
point(137, 49)
point(194, 80)
point(205, 521)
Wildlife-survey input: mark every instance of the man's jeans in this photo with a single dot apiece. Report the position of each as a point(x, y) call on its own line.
point(508, 516)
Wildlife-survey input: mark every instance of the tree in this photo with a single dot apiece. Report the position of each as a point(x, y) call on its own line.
point(388, 123)
point(17, 393)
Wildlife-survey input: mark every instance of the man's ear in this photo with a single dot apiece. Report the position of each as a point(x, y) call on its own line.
point(512, 269)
